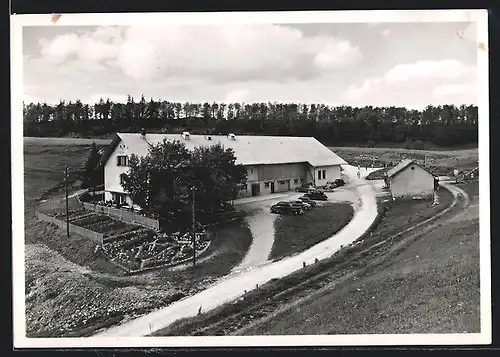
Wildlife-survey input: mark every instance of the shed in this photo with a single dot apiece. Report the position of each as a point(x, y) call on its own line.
point(409, 179)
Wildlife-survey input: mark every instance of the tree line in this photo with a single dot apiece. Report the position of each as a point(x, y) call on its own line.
point(445, 125)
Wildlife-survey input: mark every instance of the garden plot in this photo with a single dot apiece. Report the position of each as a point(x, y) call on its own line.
point(145, 249)
point(135, 248)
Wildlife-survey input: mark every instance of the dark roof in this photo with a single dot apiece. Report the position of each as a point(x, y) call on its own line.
point(403, 165)
point(114, 143)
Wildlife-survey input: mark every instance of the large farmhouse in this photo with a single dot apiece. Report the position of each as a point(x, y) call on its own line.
point(409, 179)
point(274, 163)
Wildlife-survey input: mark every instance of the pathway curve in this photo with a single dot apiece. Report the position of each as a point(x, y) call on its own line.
point(261, 223)
point(234, 285)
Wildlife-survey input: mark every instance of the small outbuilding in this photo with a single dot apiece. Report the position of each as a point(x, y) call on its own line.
point(409, 179)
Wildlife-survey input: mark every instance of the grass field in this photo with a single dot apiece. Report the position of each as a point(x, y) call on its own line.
point(440, 162)
point(434, 285)
point(44, 164)
point(282, 294)
point(72, 290)
point(293, 234)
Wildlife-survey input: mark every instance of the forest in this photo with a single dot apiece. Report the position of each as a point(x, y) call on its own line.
point(445, 126)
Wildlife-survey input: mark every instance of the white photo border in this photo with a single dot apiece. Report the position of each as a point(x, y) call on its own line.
point(374, 16)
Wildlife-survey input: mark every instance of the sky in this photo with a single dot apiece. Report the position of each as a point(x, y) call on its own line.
point(380, 64)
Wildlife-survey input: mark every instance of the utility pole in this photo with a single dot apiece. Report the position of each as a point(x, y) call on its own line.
point(193, 189)
point(67, 202)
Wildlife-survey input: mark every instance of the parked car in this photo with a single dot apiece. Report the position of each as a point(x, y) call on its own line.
point(306, 187)
point(317, 195)
point(339, 182)
point(307, 200)
point(287, 208)
point(301, 203)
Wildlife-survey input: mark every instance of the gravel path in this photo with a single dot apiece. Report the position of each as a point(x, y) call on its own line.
point(261, 224)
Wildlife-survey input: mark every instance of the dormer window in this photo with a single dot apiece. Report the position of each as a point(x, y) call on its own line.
point(122, 160)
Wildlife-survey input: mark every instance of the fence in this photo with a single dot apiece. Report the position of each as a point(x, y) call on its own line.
point(123, 215)
point(94, 236)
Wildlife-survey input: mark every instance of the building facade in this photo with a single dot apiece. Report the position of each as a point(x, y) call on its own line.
point(274, 164)
point(408, 179)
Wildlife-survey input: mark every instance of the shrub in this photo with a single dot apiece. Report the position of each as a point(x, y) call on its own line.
point(418, 145)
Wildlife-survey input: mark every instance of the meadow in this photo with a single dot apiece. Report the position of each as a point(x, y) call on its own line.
point(72, 292)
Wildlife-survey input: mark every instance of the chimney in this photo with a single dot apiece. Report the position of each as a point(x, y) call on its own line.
point(231, 136)
point(143, 133)
point(185, 135)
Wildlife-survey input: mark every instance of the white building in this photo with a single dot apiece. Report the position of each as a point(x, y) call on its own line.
point(274, 163)
point(409, 179)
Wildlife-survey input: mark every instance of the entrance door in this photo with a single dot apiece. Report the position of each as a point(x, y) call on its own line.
point(255, 189)
point(272, 187)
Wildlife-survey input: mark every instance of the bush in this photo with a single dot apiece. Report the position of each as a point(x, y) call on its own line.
point(418, 145)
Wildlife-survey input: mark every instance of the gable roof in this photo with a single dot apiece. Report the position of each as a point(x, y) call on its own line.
point(403, 165)
point(249, 150)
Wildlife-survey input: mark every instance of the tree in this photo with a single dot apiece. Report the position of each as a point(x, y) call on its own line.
point(215, 174)
point(161, 181)
point(92, 174)
point(155, 180)
point(443, 125)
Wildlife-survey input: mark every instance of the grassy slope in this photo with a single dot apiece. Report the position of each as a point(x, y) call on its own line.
point(274, 295)
point(61, 271)
point(54, 273)
point(433, 285)
point(441, 162)
point(295, 234)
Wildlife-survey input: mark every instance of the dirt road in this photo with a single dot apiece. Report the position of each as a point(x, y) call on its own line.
point(235, 285)
point(432, 274)
point(261, 223)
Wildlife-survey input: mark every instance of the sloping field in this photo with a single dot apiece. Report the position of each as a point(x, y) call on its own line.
point(420, 283)
point(441, 162)
point(44, 164)
point(431, 285)
point(72, 290)
point(382, 151)
point(64, 141)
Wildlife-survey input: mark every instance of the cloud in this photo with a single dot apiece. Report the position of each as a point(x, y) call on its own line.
point(385, 32)
point(114, 97)
point(337, 55)
point(32, 99)
point(216, 53)
point(236, 95)
point(419, 83)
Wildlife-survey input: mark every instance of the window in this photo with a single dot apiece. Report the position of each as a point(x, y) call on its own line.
point(319, 175)
point(266, 184)
point(122, 179)
point(295, 181)
point(122, 161)
point(324, 174)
